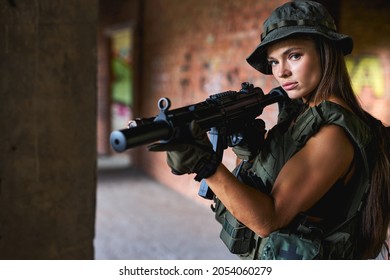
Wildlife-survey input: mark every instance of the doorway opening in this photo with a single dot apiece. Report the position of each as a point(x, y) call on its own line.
point(115, 91)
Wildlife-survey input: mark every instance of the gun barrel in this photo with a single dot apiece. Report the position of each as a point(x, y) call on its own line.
point(124, 139)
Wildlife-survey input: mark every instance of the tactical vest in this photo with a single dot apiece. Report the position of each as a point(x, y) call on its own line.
point(301, 240)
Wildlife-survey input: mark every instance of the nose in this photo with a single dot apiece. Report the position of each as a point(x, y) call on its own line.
point(283, 70)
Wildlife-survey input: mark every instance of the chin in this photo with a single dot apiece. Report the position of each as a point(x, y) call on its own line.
point(294, 95)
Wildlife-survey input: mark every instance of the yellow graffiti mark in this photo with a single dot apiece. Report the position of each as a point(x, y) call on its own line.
point(366, 72)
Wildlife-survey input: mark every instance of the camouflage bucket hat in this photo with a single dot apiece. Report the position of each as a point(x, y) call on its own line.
point(300, 17)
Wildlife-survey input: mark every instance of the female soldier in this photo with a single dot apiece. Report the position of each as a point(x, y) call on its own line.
point(315, 164)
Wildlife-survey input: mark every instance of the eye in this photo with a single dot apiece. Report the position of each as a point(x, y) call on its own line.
point(272, 63)
point(295, 56)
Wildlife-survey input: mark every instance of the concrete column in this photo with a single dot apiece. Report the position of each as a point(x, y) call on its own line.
point(47, 128)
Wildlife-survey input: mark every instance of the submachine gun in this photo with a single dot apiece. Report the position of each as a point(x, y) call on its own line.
point(223, 115)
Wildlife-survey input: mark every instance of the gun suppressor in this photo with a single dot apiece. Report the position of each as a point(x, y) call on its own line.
point(124, 139)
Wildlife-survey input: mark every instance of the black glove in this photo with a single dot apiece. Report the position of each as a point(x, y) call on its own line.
point(252, 140)
point(194, 154)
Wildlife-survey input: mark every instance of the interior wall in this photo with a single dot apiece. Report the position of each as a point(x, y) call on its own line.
point(48, 128)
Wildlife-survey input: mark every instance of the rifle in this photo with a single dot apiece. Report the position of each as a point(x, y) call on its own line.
point(224, 115)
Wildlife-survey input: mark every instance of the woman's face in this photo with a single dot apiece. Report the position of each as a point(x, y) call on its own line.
point(296, 66)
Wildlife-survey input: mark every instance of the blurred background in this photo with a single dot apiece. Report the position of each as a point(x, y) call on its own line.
point(73, 71)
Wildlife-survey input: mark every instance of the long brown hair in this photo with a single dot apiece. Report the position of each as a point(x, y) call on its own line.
point(375, 215)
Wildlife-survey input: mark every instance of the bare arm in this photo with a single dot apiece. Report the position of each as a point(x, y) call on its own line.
point(303, 180)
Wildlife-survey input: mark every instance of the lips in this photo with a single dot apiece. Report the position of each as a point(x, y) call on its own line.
point(290, 85)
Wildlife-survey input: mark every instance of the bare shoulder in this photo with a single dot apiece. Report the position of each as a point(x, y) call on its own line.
point(331, 135)
point(312, 171)
point(331, 144)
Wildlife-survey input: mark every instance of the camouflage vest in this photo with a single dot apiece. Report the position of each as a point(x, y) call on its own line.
point(301, 240)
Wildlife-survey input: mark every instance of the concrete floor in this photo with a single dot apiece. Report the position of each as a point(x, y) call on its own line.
point(140, 219)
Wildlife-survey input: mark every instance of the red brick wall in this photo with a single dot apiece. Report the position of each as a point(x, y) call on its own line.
point(192, 49)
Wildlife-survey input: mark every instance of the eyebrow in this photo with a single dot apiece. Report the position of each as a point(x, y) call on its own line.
point(289, 50)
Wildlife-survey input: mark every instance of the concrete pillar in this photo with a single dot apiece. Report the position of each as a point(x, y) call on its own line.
point(47, 128)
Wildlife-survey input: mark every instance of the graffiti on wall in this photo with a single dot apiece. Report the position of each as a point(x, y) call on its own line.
point(369, 82)
point(121, 84)
point(367, 72)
